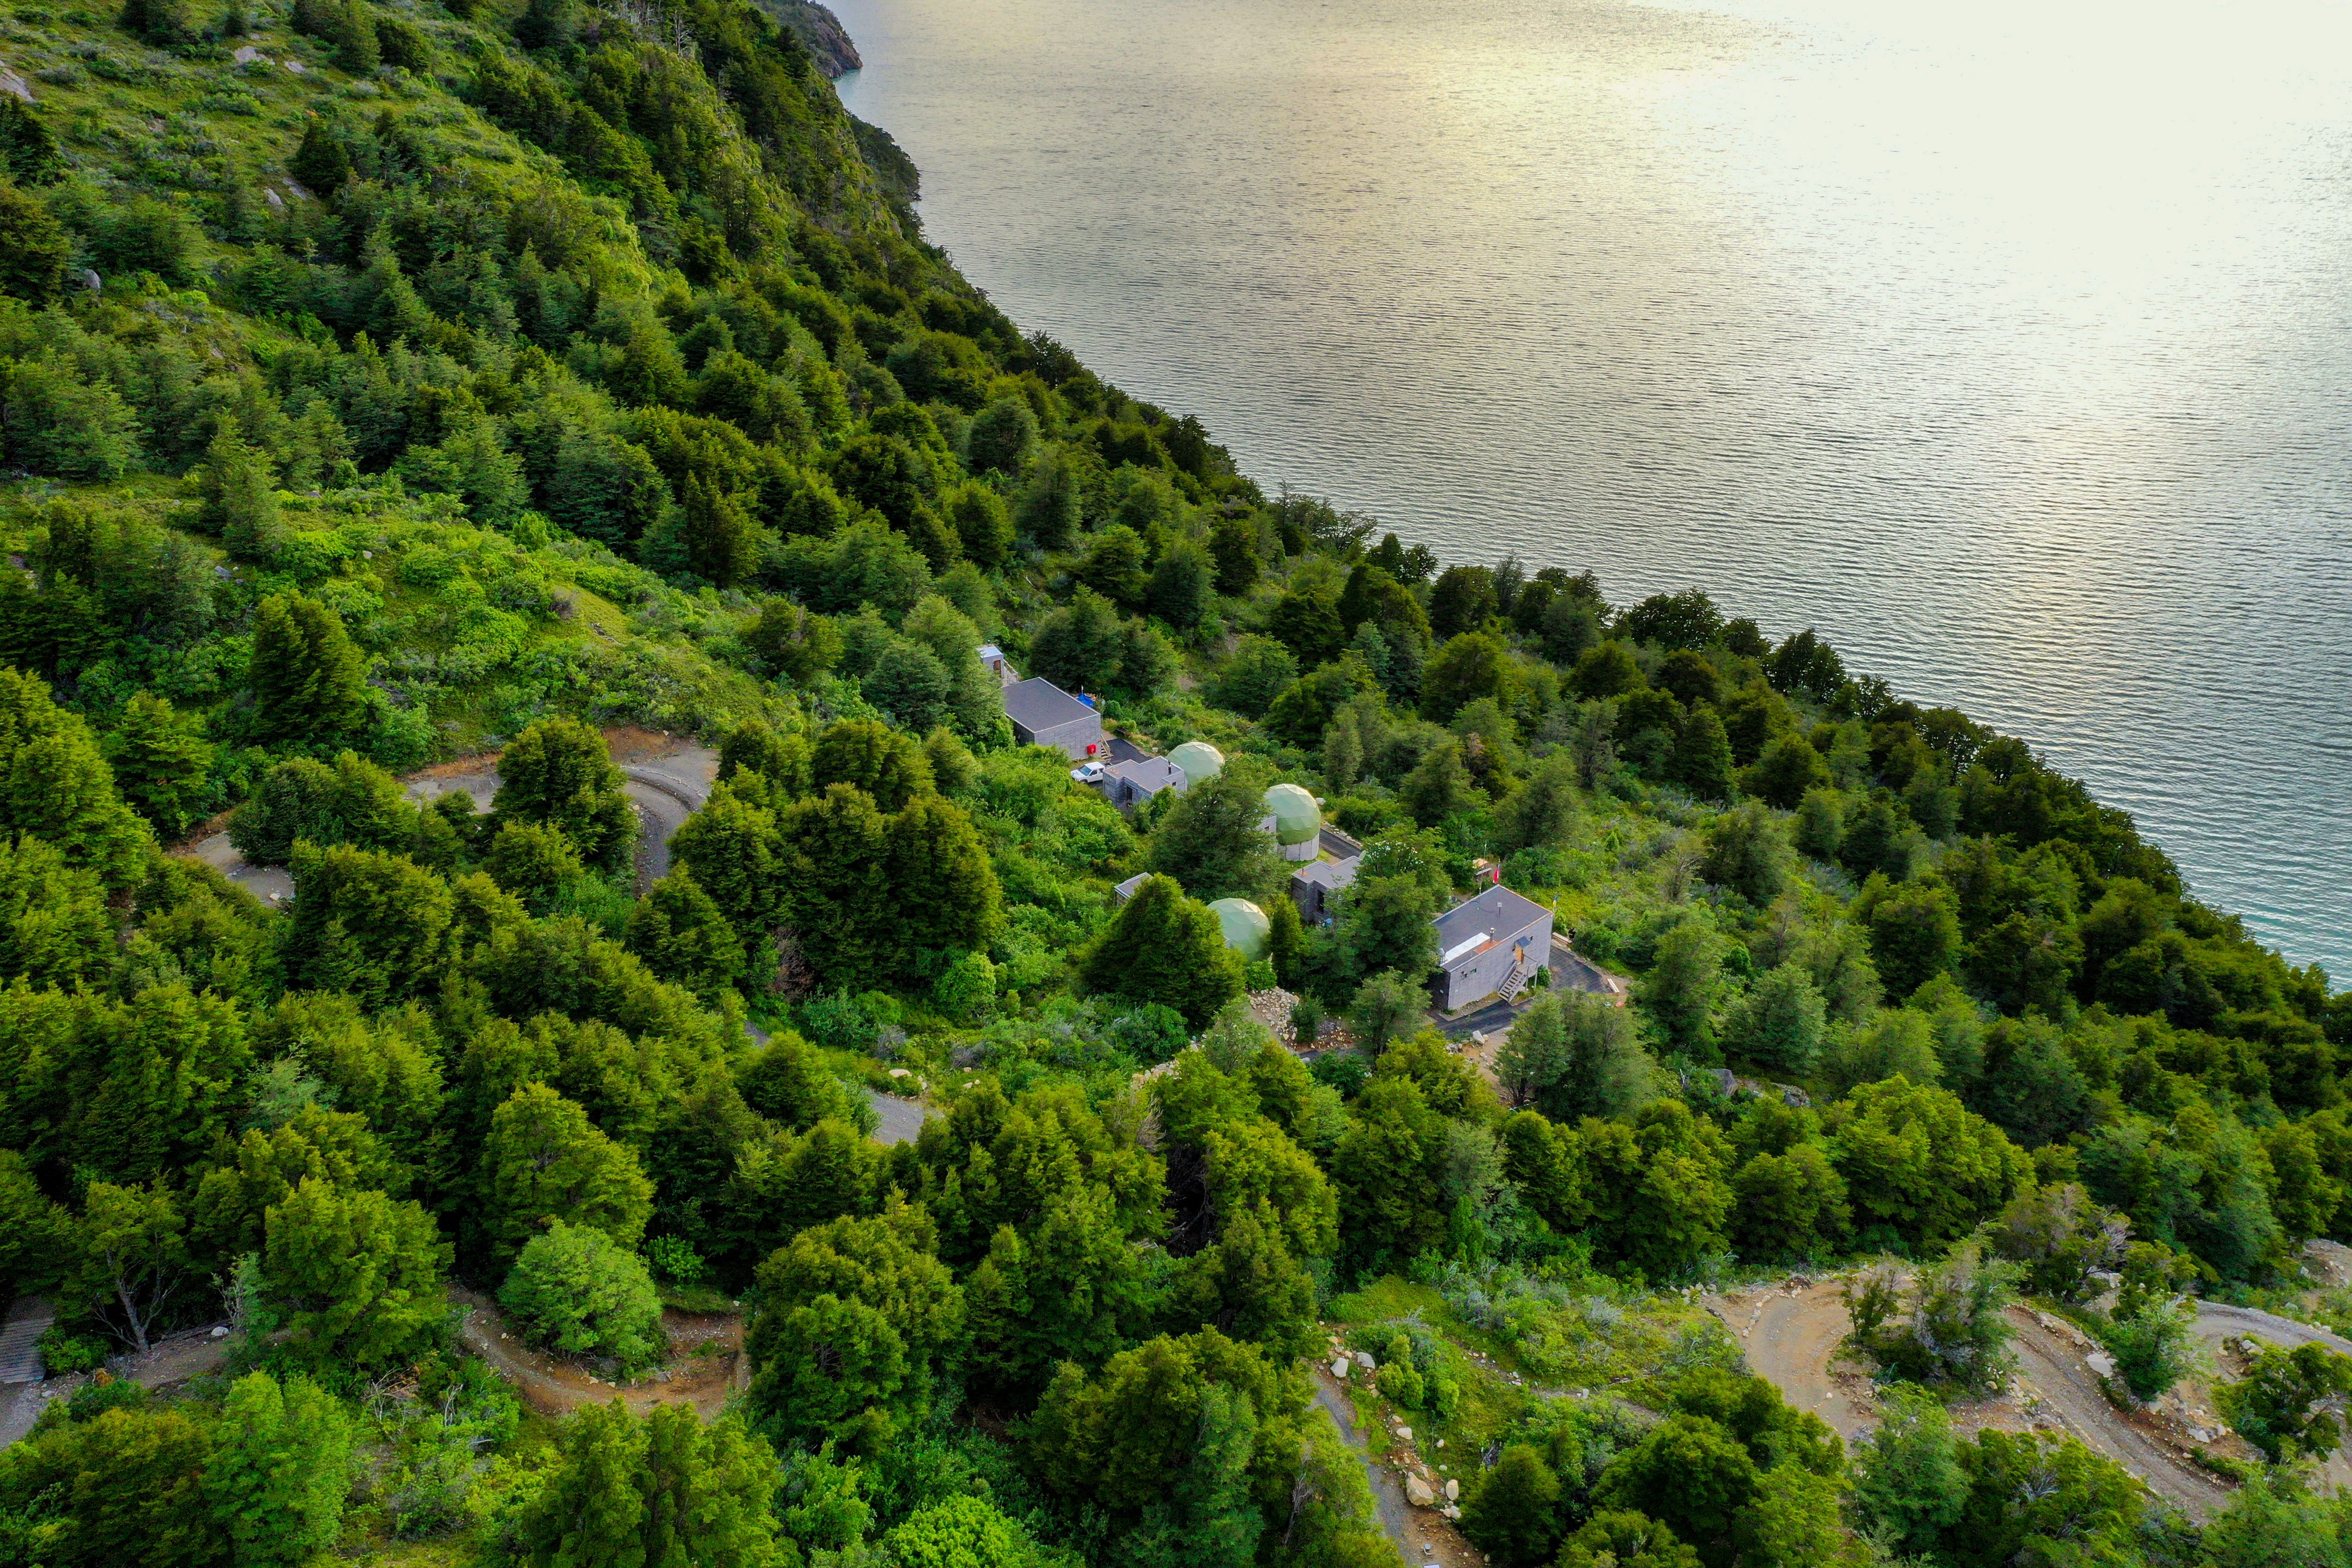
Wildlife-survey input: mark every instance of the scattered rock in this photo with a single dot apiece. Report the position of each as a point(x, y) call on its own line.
point(2100, 1362)
point(15, 85)
point(1451, 1512)
point(246, 54)
point(1339, 1368)
point(1453, 1489)
point(296, 67)
point(1417, 1492)
point(1404, 1434)
point(1364, 1359)
point(220, 1331)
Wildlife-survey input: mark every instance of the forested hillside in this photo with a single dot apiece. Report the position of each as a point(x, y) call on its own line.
point(383, 384)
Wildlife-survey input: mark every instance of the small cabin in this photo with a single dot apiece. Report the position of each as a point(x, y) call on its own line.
point(1042, 714)
point(1490, 945)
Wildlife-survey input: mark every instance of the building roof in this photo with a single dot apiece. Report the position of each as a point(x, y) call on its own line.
point(1132, 885)
point(989, 654)
point(1329, 875)
point(1493, 915)
point(1148, 774)
point(1038, 703)
point(1337, 845)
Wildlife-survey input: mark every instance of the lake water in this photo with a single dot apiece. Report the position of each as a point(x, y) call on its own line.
point(2006, 344)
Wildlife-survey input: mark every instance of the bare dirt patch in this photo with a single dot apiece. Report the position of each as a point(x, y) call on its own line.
point(705, 1365)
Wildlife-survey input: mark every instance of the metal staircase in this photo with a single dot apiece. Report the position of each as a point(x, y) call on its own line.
point(1516, 981)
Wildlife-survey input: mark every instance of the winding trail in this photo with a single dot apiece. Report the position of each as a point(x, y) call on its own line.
point(2070, 1392)
point(554, 1386)
point(666, 779)
point(1793, 1337)
point(1388, 1492)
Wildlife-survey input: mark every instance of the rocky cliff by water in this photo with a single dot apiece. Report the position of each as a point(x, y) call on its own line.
point(820, 30)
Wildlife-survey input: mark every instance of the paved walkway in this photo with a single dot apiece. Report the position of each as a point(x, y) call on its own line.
point(20, 1341)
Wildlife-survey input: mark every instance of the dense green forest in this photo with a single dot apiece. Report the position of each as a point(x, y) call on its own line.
point(386, 382)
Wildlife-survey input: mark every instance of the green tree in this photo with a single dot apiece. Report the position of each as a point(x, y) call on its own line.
point(532, 860)
point(1163, 946)
point(1253, 675)
point(59, 789)
point(1701, 762)
point(856, 1318)
point(1051, 506)
point(2282, 1405)
point(889, 766)
point(1210, 841)
point(58, 421)
point(1748, 853)
point(1914, 931)
point(720, 538)
point(162, 762)
point(1513, 1515)
point(2153, 1349)
point(133, 1256)
point(1179, 589)
point(1542, 811)
point(308, 681)
point(593, 1508)
point(124, 1487)
point(544, 1161)
point(1535, 1055)
point(572, 1288)
point(1918, 1162)
point(1078, 646)
point(1622, 1538)
point(683, 936)
point(1781, 1020)
point(1789, 768)
point(1387, 1008)
point(1679, 993)
point(2274, 1520)
point(34, 249)
point(1604, 1070)
point(1909, 1480)
point(1072, 1290)
point(558, 773)
point(1473, 665)
point(354, 1278)
point(1286, 942)
point(281, 1468)
point(1439, 786)
point(239, 486)
point(1690, 1475)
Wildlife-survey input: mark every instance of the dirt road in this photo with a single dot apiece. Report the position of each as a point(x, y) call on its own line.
point(2069, 1394)
point(666, 778)
point(1791, 1337)
point(554, 1387)
point(1387, 1495)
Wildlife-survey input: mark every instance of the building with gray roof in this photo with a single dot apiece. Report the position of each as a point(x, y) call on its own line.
point(1042, 714)
point(1490, 945)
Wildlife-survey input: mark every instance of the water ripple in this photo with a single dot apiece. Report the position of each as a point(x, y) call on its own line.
point(2004, 346)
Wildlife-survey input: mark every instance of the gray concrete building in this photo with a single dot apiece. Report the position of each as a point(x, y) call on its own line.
point(1490, 945)
point(1042, 714)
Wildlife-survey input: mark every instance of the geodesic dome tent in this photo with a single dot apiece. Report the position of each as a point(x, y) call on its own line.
point(1199, 761)
point(1246, 928)
point(1297, 820)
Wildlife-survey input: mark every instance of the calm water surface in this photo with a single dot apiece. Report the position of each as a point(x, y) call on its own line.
point(2007, 344)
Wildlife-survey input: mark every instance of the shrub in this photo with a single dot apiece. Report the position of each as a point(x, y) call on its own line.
point(575, 1290)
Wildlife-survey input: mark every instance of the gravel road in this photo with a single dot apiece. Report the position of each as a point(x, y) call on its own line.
point(2071, 1394)
point(1388, 1492)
